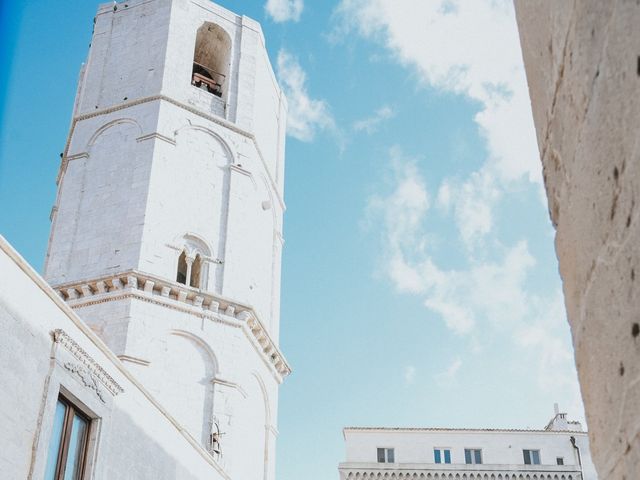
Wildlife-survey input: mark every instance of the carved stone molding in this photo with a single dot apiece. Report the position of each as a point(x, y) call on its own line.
point(180, 297)
point(429, 473)
point(85, 376)
point(87, 369)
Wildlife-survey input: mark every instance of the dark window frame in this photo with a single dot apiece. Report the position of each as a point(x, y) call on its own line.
point(71, 411)
point(473, 456)
point(443, 456)
point(530, 456)
point(388, 454)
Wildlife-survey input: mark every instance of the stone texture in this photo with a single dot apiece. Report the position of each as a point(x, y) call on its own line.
point(583, 69)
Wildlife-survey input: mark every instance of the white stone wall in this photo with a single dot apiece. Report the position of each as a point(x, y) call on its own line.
point(131, 435)
point(140, 173)
point(502, 450)
point(200, 370)
point(583, 71)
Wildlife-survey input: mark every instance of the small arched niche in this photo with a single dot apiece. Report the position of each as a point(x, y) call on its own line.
point(211, 60)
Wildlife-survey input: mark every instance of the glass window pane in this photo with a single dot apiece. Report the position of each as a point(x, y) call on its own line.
point(535, 457)
point(467, 456)
point(527, 457)
point(54, 443)
point(76, 449)
point(381, 455)
point(478, 455)
point(560, 461)
point(447, 456)
point(436, 456)
point(390, 455)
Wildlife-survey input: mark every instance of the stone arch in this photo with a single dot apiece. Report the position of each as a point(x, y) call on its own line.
point(92, 208)
point(223, 142)
point(181, 373)
point(212, 59)
point(251, 428)
point(192, 260)
point(201, 168)
point(102, 129)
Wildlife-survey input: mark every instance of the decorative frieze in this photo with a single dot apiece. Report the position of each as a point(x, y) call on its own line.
point(193, 300)
point(466, 474)
point(86, 368)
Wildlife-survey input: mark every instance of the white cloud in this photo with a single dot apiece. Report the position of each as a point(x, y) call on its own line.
point(448, 378)
point(409, 374)
point(284, 10)
point(484, 63)
point(306, 115)
point(485, 289)
point(469, 48)
point(489, 296)
point(370, 124)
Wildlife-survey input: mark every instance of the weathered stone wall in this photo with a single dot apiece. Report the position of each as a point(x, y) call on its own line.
point(583, 67)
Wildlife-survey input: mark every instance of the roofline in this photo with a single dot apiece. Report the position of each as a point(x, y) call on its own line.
point(461, 430)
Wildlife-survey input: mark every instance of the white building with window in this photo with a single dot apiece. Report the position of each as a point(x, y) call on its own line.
point(560, 451)
point(150, 349)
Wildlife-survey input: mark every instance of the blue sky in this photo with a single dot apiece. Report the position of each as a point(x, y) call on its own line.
point(420, 284)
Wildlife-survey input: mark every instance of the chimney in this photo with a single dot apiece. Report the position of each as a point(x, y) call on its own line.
point(556, 409)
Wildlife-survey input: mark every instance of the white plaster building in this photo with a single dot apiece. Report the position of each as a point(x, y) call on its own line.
point(560, 451)
point(166, 246)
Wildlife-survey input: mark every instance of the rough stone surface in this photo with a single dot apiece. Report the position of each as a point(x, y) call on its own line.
point(583, 68)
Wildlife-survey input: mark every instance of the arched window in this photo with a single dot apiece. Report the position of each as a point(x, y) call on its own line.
point(196, 268)
point(193, 262)
point(182, 268)
point(211, 60)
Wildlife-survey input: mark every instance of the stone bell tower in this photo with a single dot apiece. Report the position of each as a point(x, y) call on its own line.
point(167, 229)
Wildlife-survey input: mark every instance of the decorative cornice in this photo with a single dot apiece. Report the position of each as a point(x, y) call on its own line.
point(88, 367)
point(179, 297)
point(426, 471)
point(465, 430)
point(212, 118)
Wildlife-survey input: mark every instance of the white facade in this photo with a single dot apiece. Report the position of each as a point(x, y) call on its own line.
point(47, 350)
point(502, 453)
point(166, 241)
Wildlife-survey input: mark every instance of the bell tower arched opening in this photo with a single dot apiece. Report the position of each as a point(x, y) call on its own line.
point(211, 60)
